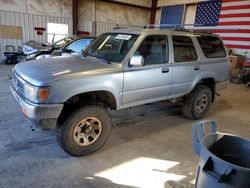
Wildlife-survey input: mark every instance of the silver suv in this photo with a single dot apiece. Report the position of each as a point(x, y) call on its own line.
point(120, 69)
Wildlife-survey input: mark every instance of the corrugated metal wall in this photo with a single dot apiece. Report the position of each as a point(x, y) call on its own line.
point(101, 27)
point(85, 26)
point(28, 22)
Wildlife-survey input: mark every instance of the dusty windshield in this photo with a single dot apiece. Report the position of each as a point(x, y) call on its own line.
point(62, 42)
point(112, 47)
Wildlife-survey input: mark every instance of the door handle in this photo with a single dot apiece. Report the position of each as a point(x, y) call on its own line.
point(196, 67)
point(165, 70)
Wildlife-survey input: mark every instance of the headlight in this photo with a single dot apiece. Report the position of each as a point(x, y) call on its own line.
point(43, 56)
point(28, 50)
point(36, 94)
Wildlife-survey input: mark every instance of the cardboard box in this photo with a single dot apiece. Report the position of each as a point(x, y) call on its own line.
point(236, 62)
point(11, 32)
point(240, 60)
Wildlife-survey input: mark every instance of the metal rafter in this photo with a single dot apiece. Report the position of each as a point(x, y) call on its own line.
point(75, 15)
point(153, 11)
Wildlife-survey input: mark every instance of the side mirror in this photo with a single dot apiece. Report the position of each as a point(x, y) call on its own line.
point(137, 60)
point(45, 44)
point(84, 53)
point(66, 50)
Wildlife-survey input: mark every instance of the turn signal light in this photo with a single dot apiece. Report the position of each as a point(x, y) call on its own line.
point(43, 94)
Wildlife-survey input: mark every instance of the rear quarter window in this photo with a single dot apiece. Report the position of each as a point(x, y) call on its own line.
point(211, 46)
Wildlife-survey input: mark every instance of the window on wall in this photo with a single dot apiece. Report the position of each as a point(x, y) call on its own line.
point(56, 31)
point(172, 14)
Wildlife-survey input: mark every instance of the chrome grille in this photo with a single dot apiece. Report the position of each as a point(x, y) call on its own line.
point(18, 84)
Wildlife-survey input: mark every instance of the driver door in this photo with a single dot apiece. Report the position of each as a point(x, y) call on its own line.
point(151, 81)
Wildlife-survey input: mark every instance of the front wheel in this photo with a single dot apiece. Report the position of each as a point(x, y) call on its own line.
point(85, 131)
point(197, 103)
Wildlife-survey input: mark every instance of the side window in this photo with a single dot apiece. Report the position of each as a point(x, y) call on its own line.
point(154, 49)
point(211, 46)
point(79, 45)
point(184, 49)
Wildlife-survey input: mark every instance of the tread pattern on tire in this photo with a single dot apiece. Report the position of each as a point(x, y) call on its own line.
point(89, 149)
point(187, 109)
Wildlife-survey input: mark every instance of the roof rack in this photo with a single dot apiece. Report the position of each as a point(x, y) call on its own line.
point(194, 28)
point(198, 28)
point(119, 27)
point(172, 26)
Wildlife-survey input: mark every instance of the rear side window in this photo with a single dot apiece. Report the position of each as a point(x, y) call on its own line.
point(184, 49)
point(211, 46)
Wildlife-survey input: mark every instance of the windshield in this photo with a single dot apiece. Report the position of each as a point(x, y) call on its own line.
point(112, 47)
point(62, 42)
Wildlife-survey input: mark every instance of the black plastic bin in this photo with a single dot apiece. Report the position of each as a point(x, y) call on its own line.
point(224, 158)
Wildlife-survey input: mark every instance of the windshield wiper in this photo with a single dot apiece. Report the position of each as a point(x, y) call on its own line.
point(99, 56)
point(102, 58)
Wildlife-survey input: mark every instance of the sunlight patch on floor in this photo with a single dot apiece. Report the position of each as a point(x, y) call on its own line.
point(142, 172)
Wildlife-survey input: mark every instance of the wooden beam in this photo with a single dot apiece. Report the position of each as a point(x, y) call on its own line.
point(153, 11)
point(126, 4)
point(75, 16)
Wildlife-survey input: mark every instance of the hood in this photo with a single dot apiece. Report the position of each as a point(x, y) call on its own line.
point(44, 71)
point(31, 47)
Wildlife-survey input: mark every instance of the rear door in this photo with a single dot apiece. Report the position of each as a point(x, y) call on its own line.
point(185, 64)
point(150, 82)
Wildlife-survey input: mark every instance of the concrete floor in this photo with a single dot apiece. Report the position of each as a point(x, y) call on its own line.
point(150, 146)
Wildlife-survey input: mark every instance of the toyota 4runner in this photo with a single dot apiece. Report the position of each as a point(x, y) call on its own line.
point(120, 69)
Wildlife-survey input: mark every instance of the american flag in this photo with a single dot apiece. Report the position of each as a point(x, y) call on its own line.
point(207, 13)
point(228, 18)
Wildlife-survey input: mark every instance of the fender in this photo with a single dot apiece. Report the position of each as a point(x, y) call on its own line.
point(201, 76)
point(65, 89)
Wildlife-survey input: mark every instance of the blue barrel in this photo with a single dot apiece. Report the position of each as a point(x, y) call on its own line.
point(224, 158)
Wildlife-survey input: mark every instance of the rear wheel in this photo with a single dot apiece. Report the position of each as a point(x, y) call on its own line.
point(85, 131)
point(197, 103)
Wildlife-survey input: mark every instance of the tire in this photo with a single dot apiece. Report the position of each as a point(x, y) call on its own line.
point(85, 131)
point(197, 103)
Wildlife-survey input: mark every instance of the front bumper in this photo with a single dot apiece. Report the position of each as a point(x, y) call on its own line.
point(221, 85)
point(42, 115)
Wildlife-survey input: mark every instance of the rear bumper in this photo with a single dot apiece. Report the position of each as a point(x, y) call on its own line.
point(42, 115)
point(221, 85)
